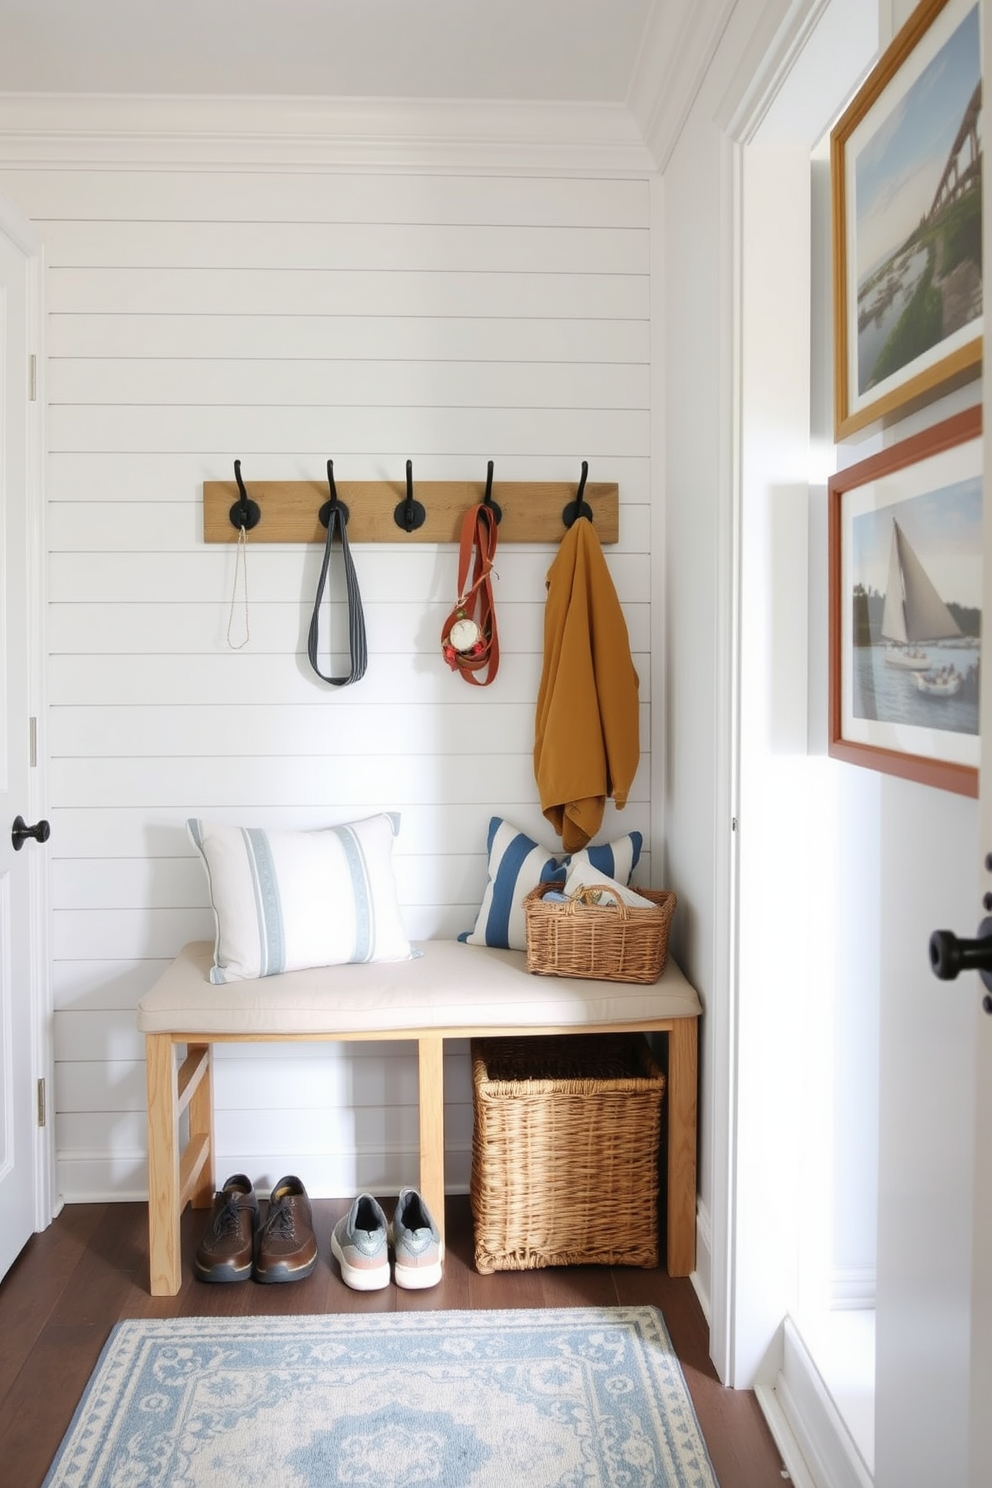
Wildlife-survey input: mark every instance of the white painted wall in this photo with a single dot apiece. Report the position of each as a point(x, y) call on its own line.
point(695, 591)
point(286, 316)
point(736, 417)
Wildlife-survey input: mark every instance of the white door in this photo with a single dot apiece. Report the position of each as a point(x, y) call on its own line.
point(980, 1362)
point(980, 1413)
point(980, 1371)
point(20, 1043)
point(969, 1334)
point(948, 1304)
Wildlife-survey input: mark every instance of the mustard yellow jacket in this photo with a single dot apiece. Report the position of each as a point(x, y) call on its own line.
point(587, 743)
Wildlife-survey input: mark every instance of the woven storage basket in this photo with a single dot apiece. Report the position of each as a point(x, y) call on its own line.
point(612, 943)
point(565, 1151)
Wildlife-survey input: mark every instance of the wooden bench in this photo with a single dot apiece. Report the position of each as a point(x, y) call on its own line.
point(449, 990)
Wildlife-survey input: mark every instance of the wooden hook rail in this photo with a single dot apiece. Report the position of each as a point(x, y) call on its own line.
point(289, 511)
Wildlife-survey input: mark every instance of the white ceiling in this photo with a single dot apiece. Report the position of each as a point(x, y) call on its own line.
point(567, 51)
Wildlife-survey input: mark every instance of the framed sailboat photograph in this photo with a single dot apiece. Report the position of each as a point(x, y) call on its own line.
point(905, 577)
point(906, 194)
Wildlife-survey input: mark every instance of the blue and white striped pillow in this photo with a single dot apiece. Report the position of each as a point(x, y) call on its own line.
point(286, 900)
point(616, 859)
point(518, 864)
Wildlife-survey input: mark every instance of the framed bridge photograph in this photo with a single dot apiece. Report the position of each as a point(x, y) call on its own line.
point(905, 576)
point(906, 195)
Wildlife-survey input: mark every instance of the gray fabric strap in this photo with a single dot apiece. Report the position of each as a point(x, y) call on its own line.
point(356, 617)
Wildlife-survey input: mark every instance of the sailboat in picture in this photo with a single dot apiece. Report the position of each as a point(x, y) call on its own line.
point(913, 613)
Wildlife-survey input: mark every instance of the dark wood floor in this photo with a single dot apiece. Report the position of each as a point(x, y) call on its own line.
point(90, 1269)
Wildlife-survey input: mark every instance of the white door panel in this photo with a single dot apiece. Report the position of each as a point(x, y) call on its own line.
point(19, 1042)
point(980, 1415)
point(964, 957)
point(966, 1341)
point(976, 1129)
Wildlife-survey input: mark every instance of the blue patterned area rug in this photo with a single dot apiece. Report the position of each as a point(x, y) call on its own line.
point(589, 1397)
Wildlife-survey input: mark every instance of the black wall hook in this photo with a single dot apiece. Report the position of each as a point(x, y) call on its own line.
point(409, 514)
point(487, 500)
point(245, 513)
point(338, 505)
point(578, 507)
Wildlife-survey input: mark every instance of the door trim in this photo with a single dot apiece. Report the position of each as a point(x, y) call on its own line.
point(26, 238)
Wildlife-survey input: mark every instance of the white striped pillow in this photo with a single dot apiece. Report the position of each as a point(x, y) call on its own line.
point(287, 900)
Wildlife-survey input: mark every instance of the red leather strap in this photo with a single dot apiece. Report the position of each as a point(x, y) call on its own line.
point(476, 552)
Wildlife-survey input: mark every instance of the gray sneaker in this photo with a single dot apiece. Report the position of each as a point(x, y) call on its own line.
point(360, 1245)
point(417, 1243)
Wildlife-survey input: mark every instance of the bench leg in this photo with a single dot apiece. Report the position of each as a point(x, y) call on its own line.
point(201, 1130)
point(681, 1097)
point(164, 1263)
point(431, 1070)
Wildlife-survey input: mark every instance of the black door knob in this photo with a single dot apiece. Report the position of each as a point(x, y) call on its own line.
point(20, 832)
point(949, 955)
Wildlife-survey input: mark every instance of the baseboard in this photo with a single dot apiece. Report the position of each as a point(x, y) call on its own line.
point(816, 1446)
point(95, 1178)
point(778, 1425)
point(701, 1276)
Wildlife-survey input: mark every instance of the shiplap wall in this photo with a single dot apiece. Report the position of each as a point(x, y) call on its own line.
point(284, 318)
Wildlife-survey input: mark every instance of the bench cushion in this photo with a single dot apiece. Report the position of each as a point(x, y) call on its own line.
point(449, 986)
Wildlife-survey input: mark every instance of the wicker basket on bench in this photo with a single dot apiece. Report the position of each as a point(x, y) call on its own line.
point(583, 938)
point(565, 1151)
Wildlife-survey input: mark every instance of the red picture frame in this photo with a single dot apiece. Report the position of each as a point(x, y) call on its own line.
point(904, 545)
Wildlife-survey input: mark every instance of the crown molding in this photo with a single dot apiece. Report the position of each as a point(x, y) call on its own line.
point(773, 50)
point(680, 40)
point(123, 130)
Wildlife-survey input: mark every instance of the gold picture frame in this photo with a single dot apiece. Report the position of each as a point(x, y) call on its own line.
point(906, 194)
point(905, 622)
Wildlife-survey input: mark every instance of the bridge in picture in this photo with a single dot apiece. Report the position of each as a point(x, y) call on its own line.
point(964, 162)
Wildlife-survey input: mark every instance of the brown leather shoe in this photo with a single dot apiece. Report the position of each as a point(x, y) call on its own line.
point(286, 1247)
point(226, 1252)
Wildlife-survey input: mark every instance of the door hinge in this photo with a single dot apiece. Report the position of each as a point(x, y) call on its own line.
point(32, 378)
point(42, 1111)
